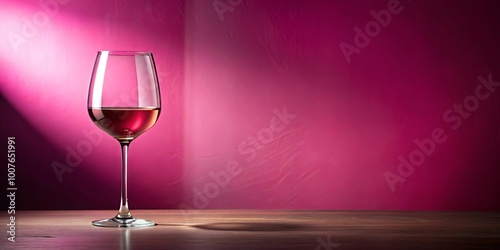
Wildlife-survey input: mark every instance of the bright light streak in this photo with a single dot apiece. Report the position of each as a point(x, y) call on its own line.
point(99, 79)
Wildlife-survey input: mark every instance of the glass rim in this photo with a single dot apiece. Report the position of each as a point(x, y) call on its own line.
point(124, 52)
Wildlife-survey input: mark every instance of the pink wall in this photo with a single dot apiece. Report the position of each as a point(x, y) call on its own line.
point(266, 104)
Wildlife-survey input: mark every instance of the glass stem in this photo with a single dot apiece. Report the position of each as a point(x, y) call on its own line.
point(124, 212)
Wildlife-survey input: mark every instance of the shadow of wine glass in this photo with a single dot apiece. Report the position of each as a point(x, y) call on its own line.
point(219, 235)
point(245, 226)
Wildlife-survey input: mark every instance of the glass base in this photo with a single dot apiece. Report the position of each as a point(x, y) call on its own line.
point(119, 222)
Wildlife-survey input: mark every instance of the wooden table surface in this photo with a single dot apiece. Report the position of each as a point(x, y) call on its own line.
point(258, 229)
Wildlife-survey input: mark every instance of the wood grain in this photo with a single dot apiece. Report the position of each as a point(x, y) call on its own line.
point(259, 229)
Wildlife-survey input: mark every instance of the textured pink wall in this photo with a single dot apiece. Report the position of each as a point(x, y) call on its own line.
point(266, 104)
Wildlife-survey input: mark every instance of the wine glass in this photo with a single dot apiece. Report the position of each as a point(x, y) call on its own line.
point(124, 101)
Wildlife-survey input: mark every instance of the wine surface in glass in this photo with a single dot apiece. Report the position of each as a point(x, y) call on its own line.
point(124, 123)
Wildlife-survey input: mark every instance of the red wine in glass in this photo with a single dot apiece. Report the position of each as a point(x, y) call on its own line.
point(124, 123)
